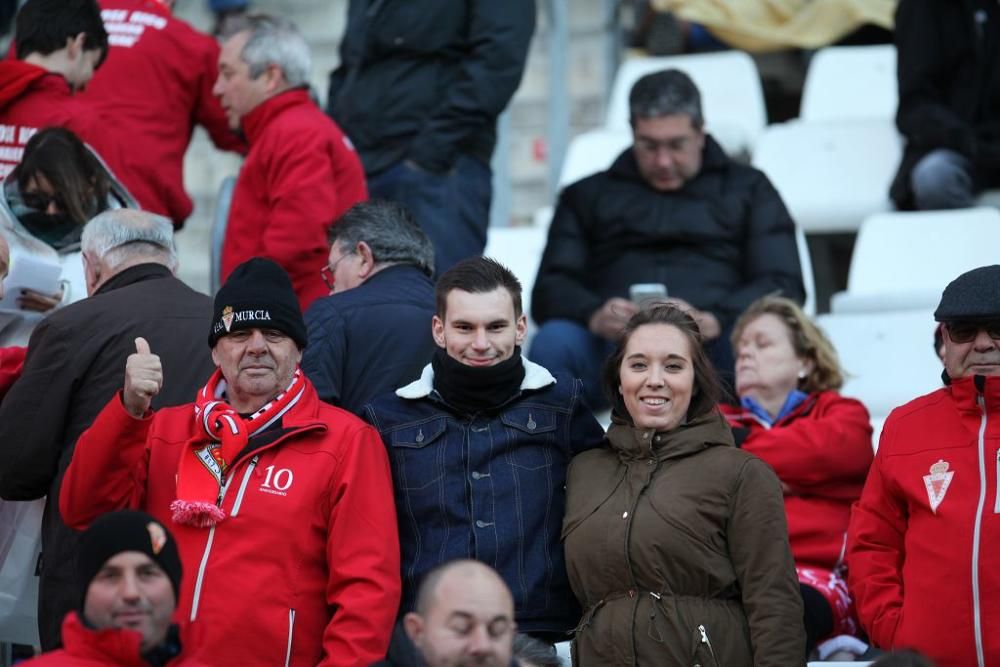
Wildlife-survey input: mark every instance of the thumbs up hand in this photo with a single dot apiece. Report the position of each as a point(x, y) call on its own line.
point(143, 379)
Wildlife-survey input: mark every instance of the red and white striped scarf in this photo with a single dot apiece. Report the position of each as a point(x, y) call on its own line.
point(201, 472)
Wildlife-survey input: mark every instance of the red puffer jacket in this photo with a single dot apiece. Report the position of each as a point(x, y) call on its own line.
point(83, 647)
point(923, 543)
point(821, 452)
point(304, 569)
point(300, 175)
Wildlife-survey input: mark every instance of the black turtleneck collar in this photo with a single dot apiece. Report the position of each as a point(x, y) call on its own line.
point(471, 389)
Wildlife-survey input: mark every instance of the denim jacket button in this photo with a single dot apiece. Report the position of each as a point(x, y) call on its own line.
point(482, 524)
point(475, 475)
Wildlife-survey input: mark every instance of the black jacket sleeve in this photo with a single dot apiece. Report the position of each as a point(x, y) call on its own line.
point(923, 115)
point(770, 254)
point(499, 36)
point(561, 290)
point(34, 413)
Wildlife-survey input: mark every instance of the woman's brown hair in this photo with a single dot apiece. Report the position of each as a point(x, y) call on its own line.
point(707, 389)
point(74, 172)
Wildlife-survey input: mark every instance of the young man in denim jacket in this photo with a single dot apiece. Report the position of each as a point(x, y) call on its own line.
point(479, 447)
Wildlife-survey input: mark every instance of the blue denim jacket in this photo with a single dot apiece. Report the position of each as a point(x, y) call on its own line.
point(489, 487)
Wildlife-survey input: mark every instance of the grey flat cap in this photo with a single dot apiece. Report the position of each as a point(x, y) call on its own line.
point(973, 296)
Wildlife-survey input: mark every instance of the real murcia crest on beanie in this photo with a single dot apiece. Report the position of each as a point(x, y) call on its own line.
point(157, 537)
point(227, 317)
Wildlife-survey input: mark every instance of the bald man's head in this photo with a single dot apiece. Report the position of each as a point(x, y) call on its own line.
point(464, 616)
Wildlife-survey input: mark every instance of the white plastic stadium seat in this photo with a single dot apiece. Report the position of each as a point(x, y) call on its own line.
point(851, 82)
point(903, 260)
point(591, 152)
point(888, 357)
point(831, 175)
point(806, 266)
point(732, 98)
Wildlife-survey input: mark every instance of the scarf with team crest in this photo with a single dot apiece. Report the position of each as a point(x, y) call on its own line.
point(202, 471)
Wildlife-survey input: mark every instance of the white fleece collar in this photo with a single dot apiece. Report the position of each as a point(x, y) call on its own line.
point(535, 377)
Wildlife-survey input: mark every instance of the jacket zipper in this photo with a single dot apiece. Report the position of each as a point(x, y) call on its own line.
point(976, 535)
point(243, 486)
point(291, 632)
point(706, 642)
point(222, 495)
point(211, 535)
point(204, 557)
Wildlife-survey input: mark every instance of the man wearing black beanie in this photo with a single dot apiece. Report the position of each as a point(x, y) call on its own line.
point(129, 577)
point(281, 504)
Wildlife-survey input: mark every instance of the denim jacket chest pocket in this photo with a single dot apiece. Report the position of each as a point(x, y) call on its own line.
point(419, 454)
point(531, 437)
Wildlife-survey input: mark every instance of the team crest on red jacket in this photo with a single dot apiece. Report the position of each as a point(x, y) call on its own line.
point(937, 483)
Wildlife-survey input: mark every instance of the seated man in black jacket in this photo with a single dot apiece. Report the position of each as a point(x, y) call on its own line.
point(949, 101)
point(371, 334)
point(672, 209)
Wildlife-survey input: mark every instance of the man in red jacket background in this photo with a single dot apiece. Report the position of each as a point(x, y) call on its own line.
point(922, 559)
point(154, 87)
point(301, 172)
point(59, 44)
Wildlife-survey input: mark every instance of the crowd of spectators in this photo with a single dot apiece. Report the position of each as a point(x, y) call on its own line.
point(345, 457)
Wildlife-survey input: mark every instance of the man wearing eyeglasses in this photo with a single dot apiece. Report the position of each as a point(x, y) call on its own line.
point(673, 211)
point(922, 546)
point(370, 335)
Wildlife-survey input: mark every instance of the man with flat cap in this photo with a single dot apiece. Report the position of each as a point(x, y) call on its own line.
point(281, 504)
point(129, 577)
point(923, 564)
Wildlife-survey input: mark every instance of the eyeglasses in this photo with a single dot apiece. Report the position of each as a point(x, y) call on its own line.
point(965, 332)
point(326, 273)
point(40, 201)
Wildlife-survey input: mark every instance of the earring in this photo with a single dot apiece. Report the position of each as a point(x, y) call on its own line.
point(802, 374)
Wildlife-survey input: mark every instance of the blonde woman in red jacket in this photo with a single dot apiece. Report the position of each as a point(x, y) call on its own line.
point(817, 441)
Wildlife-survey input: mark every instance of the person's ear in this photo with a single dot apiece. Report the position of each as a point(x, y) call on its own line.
point(367, 260)
point(274, 79)
point(74, 46)
point(520, 329)
point(91, 272)
point(437, 330)
point(413, 625)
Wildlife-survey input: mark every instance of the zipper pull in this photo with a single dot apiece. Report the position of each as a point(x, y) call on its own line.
point(704, 635)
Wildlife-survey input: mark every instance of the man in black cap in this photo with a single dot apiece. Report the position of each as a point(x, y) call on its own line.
point(927, 522)
point(281, 504)
point(129, 575)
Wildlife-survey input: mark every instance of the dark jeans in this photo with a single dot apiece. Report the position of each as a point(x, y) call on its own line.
point(453, 208)
point(563, 345)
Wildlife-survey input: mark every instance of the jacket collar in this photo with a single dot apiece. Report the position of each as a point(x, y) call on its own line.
point(632, 442)
point(256, 121)
point(134, 274)
point(712, 158)
point(966, 392)
point(111, 646)
point(535, 377)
